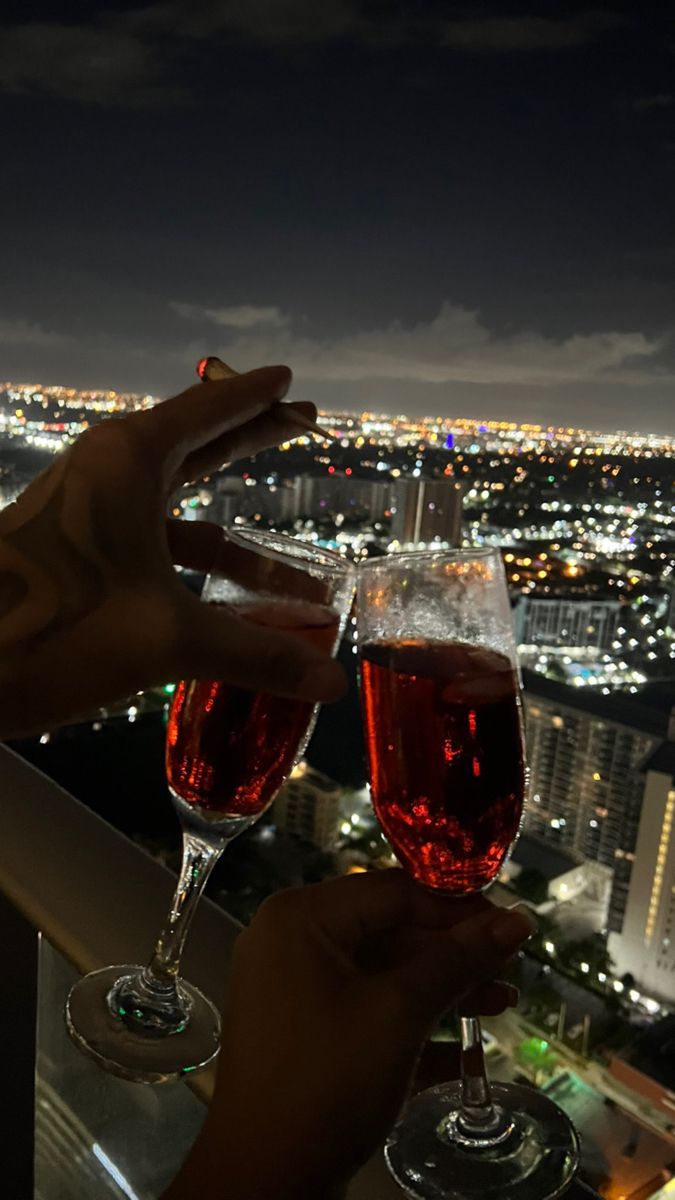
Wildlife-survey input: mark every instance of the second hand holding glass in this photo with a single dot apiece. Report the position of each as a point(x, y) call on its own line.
point(228, 750)
point(443, 727)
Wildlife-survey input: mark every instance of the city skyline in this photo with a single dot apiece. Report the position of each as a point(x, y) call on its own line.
point(51, 415)
point(583, 523)
point(420, 210)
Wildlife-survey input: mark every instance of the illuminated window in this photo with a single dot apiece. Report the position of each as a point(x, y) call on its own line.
point(664, 843)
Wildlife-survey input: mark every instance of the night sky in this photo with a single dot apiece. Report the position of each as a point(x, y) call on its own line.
point(421, 207)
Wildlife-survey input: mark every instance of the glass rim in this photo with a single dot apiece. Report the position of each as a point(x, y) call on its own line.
point(408, 557)
point(275, 546)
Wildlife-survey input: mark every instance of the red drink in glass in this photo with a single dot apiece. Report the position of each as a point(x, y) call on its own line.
point(442, 714)
point(228, 749)
point(444, 742)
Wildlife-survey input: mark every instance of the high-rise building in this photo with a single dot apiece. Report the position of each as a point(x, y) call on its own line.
point(308, 804)
point(558, 621)
point(421, 510)
point(304, 496)
point(427, 510)
point(588, 787)
point(315, 496)
point(645, 945)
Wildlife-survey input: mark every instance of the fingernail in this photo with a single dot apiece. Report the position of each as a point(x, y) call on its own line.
point(511, 927)
point(325, 681)
point(213, 368)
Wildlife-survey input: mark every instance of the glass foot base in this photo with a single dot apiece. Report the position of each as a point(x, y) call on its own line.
point(536, 1160)
point(143, 1056)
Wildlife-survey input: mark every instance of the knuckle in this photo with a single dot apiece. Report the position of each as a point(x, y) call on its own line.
point(279, 908)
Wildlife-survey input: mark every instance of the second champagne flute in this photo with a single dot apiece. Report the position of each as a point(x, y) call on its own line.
point(443, 723)
point(228, 750)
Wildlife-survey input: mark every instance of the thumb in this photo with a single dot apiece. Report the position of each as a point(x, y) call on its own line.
point(220, 645)
point(456, 961)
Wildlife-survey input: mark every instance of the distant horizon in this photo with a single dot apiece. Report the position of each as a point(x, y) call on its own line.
point(412, 417)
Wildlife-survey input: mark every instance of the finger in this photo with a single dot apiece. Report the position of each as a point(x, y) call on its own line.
point(489, 999)
point(452, 963)
point(262, 432)
point(205, 546)
point(205, 412)
point(359, 908)
point(351, 911)
point(219, 645)
point(215, 368)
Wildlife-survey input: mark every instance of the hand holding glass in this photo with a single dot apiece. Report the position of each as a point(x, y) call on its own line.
point(228, 750)
point(443, 728)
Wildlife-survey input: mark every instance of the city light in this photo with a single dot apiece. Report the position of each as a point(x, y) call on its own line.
point(587, 545)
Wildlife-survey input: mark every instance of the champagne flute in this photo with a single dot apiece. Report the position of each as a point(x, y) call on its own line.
point(228, 750)
point(442, 713)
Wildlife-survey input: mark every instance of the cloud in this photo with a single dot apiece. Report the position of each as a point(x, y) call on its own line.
point(90, 63)
point(598, 380)
point(127, 58)
point(240, 316)
point(288, 20)
point(526, 33)
point(274, 21)
point(455, 346)
point(309, 21)
point(659, 100)
point(25, 333)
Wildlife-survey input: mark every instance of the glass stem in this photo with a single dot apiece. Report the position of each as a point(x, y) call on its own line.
point(478, 1119)
point(150, 1002)
point(199, 859)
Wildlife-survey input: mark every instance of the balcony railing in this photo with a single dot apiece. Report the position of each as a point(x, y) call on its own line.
point(95, 898)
